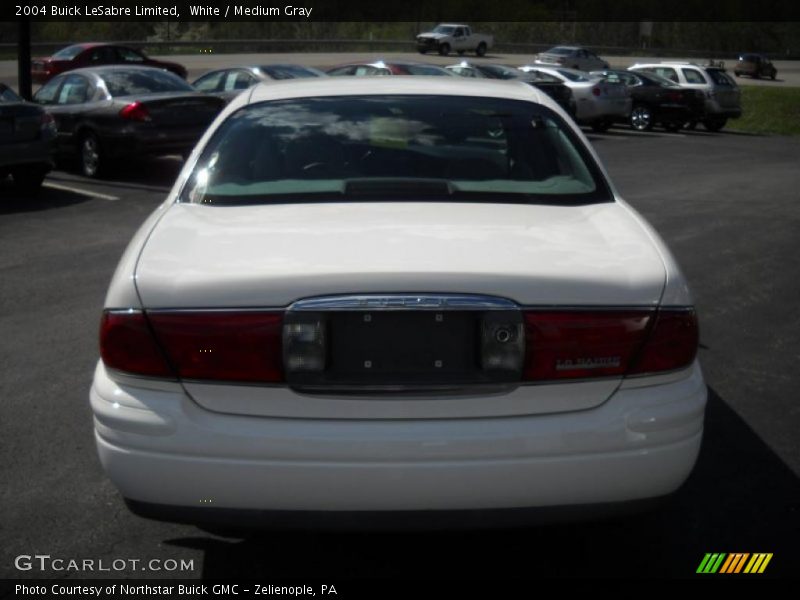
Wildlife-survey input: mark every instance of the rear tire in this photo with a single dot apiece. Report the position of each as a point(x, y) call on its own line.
point(480, 50)
point(444, 49)
point(715, 124)
point(90, 157)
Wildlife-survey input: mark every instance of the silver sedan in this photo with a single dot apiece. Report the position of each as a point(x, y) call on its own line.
point(598, 103)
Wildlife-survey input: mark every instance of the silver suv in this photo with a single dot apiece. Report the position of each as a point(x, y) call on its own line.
point(723, 98)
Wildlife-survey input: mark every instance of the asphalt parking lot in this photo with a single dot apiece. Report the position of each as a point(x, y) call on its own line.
point(727, 204)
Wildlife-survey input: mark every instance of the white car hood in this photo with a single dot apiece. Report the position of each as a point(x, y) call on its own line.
point(272, 255)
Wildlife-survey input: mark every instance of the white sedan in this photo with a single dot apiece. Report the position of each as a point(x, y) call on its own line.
point(597, 102)
point(353, 300)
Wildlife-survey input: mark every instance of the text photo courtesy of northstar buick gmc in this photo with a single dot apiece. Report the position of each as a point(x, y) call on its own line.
point(355, 301)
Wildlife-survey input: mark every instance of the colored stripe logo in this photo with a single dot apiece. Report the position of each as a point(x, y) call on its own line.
point(737, 562)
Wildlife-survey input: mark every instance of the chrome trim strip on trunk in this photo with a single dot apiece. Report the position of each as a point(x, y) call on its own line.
point(374, 302)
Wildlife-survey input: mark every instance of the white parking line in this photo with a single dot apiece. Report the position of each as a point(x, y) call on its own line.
point(74, 190)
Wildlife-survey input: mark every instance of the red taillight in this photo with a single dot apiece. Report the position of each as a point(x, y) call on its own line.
point(592, 343)
point(135, 111)
point(674, 96)
point(127, 344)
point(222, 345)
point(581, 344)
point(47, 121)
point(672, 343)
point(596, 90)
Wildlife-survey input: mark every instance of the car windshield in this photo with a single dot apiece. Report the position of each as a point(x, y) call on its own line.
point(561, 50)
point(290, 71)
point(662, 81)
point(69, 52)
point(123, 82)
point(410, 147)
point(501, 71)
point(445, 29)
point(572, 75)
point(427, 70)
point(720, 77)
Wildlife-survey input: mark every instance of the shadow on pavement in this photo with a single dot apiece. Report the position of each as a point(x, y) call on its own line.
point(11, 201)
point(740, 498)
point(144, 173)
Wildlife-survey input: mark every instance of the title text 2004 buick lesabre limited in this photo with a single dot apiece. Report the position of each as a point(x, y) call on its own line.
point(395, 295)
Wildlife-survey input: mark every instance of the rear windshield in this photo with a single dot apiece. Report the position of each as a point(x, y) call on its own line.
point(427, 70)
point(122, 82)
point(413, 148)
point(290, 72)
point(501, 71)
point(8, 95)
point(720, 77)
point(573, 75)
point(69, 52)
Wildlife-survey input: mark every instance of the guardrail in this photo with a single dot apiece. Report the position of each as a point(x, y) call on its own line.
point(300, 45)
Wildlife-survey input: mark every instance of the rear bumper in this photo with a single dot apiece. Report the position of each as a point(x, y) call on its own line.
point(160, 448)
point(245, 520)
point(714, 110)
point(36, 153)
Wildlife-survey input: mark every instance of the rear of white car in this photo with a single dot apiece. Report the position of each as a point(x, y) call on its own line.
point(722, 95)
point(353, 302)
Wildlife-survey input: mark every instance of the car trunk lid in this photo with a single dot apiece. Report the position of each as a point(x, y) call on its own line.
point(171, 110)
point(270, 256)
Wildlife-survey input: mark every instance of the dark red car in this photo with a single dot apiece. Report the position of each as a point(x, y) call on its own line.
point(95, 55)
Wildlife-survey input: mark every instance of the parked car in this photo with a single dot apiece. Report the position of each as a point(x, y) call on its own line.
point(95, 55)
point(657, 100)
point(598, 103)
point(379, 294)
point(228, 83)
point(106, 113)
point(723, 98)
point(755, 65)
point(448, 37)
point(27, 136)
point(572, 57)
point(549, 85)
point(389, 68)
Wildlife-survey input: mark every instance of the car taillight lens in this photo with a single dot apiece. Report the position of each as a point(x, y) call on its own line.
point(674, 96)
point(203, 345)
point(135, 111)
point(671, 344)
point(581, 344)
point(222, 345)
point(47, 122)
point(586, 344)
point(127, 344)
point(596, 90)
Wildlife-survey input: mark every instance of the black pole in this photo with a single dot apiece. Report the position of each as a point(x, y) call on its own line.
point(24, 59)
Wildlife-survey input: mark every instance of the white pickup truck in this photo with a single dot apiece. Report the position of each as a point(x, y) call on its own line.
point(452, 36)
